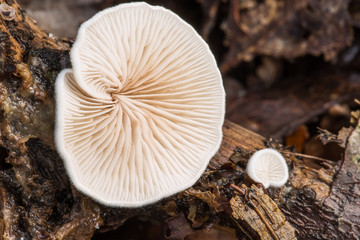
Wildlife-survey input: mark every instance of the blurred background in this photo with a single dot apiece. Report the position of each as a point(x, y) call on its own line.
point(290, 69)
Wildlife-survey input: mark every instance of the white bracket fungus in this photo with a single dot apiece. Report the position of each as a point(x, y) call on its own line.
point(140, 114)
point(268, 167)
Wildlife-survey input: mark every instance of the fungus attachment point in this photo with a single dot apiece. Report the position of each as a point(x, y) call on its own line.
point(6, 12)
point(268, 167)
point(140, 115)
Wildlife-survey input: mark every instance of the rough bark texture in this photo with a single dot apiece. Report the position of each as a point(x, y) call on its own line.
point(37, 200)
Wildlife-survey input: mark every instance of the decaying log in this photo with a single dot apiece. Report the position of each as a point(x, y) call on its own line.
point(39, 202)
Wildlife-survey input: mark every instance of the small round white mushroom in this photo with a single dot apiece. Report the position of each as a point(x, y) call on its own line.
point(7, 12)
point(268, 167)
point(140, 115)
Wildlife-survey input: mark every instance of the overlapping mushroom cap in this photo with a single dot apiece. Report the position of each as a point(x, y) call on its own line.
point(140, 115)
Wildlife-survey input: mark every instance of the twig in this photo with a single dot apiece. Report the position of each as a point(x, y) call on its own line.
point(308, 157)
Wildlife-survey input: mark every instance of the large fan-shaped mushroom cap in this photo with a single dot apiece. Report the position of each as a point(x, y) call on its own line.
point(141, 115)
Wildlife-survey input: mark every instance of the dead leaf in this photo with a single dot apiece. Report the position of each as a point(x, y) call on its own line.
point(179, 227)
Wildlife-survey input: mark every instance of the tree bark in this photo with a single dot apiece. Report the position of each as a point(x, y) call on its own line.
point(39, 202)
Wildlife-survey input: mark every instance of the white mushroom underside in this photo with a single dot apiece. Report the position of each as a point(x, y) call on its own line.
point(269, 170)
point(143, 117)
point(268, 167)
